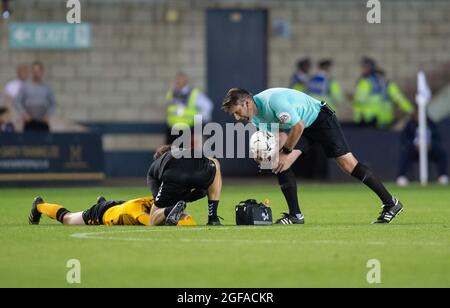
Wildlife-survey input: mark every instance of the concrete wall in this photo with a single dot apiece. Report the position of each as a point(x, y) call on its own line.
point(136, 52)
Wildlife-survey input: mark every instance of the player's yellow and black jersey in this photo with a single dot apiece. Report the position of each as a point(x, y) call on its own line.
point(121, 213)
point(132, 212)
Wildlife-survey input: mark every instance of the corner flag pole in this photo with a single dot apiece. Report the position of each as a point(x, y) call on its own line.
point(422, 98)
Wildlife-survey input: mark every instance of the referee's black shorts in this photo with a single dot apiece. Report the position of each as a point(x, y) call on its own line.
point(327, 132)
point(183, 175)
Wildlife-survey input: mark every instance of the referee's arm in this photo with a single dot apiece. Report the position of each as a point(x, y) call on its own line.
point(294, 135)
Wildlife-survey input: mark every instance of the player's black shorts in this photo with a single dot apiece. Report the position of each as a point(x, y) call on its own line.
point(183, 175)
point(326, 131)
point(94, 215)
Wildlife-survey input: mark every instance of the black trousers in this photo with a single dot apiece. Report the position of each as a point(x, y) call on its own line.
point(181, 177)
point(409, 155)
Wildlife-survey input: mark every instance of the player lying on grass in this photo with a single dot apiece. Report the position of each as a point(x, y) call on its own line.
point(132, 212)
point(178, 179)
point(307, 121)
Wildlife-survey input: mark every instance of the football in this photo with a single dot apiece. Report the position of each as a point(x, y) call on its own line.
point(263, 146)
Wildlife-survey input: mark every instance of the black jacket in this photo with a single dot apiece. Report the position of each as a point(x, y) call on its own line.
point(156, 172)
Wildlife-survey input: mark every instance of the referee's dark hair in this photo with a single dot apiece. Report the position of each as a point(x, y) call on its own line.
point(161, 150)
point(234, 97)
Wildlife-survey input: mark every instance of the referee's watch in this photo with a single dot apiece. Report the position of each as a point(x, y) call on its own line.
point(285, 150)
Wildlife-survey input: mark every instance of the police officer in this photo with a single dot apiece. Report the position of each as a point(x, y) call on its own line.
point(183, 104)
point(368, 95)
point(374, 97)
point(392, 97)
point(323, 87)
point(300, 78)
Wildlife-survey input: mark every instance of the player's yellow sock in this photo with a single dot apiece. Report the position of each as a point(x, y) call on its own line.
point(186, 220)
point(54, 211)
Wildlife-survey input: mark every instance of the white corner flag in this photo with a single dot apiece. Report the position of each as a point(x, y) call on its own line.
point(422, 98)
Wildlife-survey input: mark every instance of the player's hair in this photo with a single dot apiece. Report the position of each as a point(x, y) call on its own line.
point(234, 97)
point(161, 150)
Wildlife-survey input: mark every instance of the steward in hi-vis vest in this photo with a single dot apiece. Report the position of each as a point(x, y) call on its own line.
point(323, 87)
point(183, 104)
point(299, 79)
point(392, 97)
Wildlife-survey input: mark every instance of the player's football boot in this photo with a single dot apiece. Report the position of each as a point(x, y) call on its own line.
point(288, 219)
point(389, 212)
point(175, 214)
point(214, 222)
point(35, 215)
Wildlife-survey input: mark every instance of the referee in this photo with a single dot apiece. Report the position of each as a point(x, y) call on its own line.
point(304, 121)
point(176, 177)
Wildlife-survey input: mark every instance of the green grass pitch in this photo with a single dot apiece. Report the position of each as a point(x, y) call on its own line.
point(331, 250)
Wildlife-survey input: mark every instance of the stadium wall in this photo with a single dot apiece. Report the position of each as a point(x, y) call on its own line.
point(136, 51)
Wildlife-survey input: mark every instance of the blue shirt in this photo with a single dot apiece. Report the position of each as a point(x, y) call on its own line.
point(286, 107)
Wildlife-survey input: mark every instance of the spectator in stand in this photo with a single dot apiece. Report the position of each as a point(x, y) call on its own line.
point(11, 91)
point(36, 101)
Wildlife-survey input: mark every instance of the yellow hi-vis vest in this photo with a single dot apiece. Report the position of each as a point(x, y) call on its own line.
point(392, 96)
point(368, 99)
point(182, 114)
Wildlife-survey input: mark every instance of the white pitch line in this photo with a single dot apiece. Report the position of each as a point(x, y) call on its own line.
point(99, 236)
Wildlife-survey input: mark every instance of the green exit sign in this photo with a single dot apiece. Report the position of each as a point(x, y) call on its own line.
point(53, 35)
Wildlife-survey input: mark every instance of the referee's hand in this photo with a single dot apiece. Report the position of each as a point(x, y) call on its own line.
point(281, 164)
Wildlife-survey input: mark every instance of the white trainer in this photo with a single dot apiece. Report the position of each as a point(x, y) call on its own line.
point(402, 181)
point(443, 180)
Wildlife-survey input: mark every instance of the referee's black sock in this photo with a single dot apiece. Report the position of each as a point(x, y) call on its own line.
point(365, 175)
point(288, 185)
point(212, 209)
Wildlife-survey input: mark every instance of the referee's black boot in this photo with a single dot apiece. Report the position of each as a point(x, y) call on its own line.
point(35, 215)
point(288, 219)
point(175, 214)
point(214, 221)
point(389, 212)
